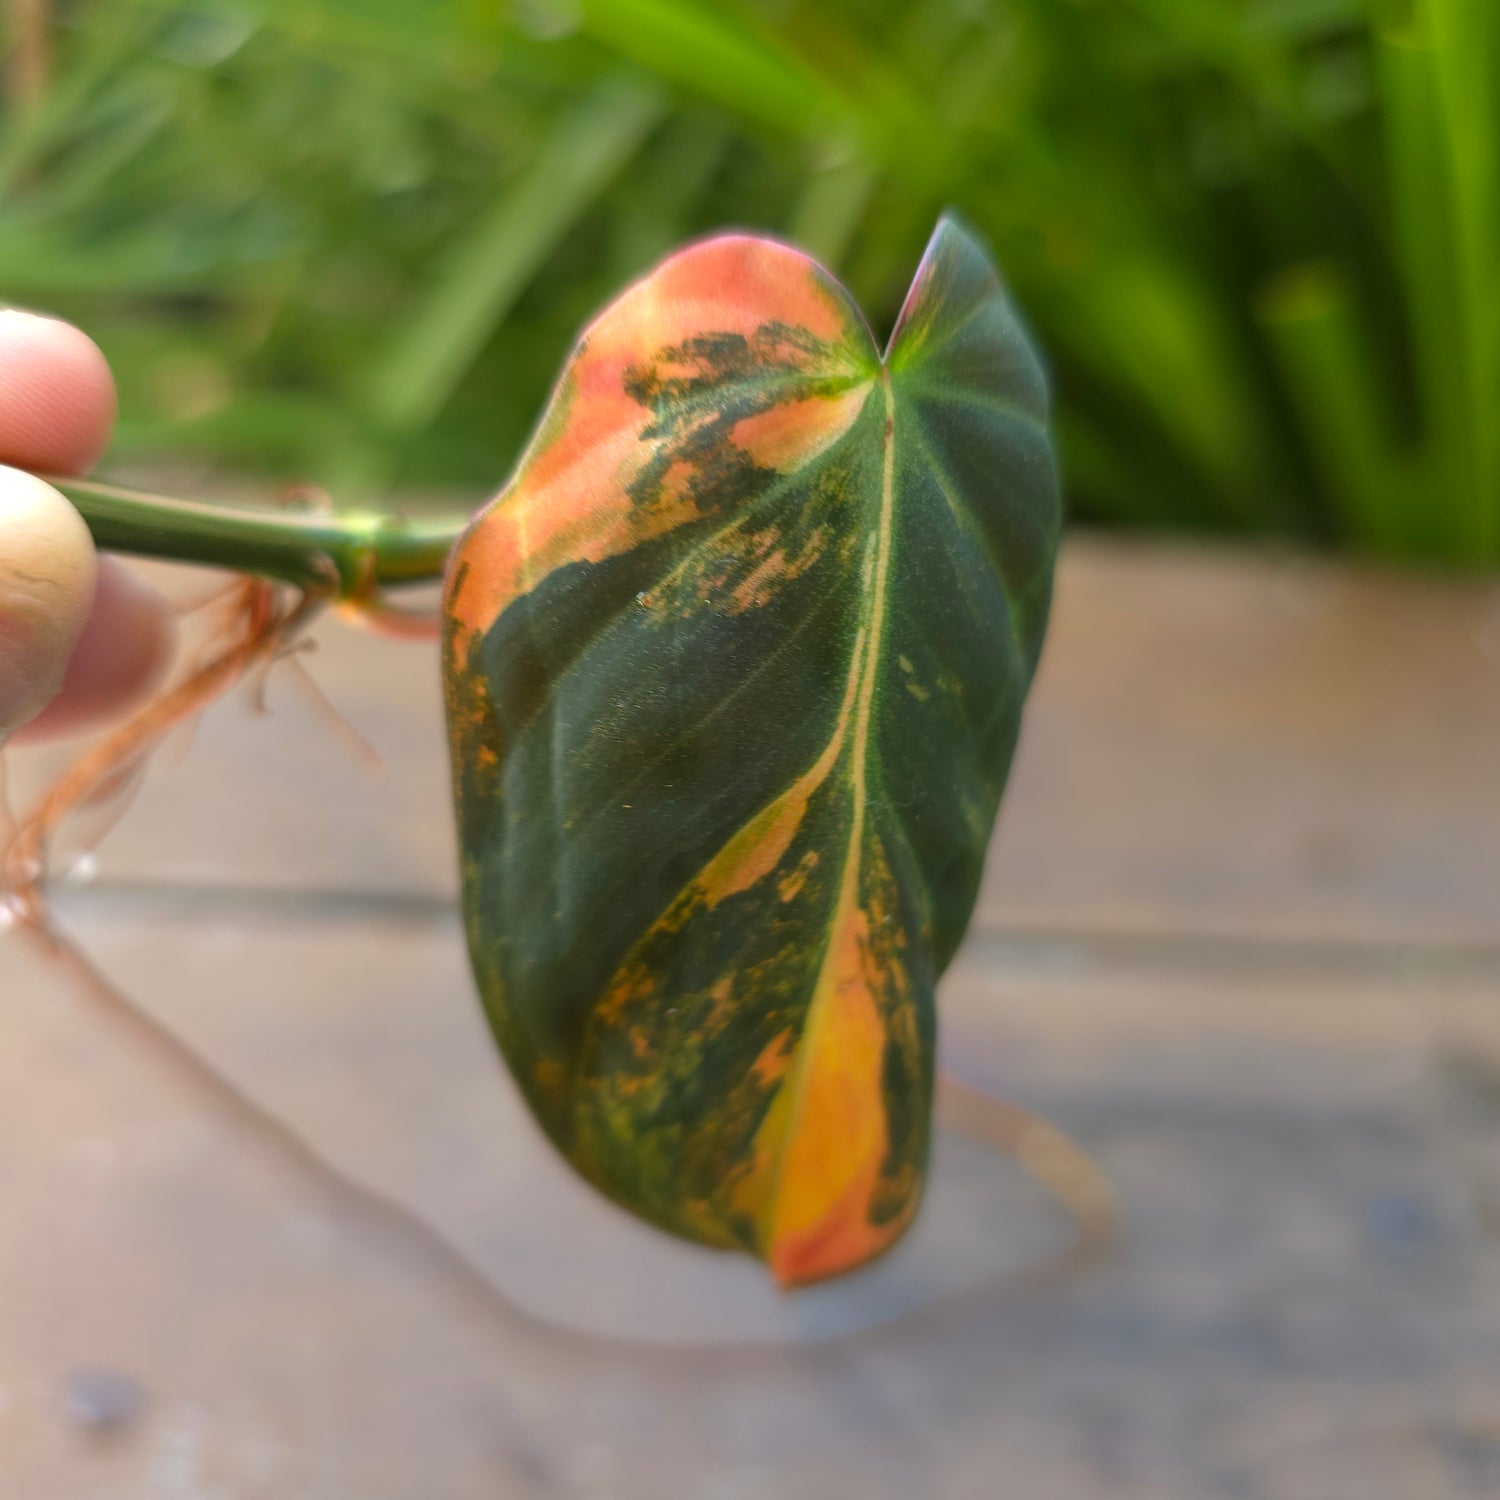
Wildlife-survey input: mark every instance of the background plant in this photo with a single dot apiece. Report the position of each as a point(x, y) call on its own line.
point(349, 241)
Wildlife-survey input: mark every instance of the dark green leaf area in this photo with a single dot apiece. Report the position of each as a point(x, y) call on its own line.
point(725, 376)
point(975, 518)
point(958, 335)
point(947, 711)
point(647, 708)
point(901, 953)
point(968, 375)
point(689, 1048)
point(995, 474)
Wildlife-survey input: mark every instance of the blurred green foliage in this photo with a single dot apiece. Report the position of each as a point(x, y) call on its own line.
point(349, 241)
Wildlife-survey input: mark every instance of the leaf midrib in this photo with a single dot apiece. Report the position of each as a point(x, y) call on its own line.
point(869, 640)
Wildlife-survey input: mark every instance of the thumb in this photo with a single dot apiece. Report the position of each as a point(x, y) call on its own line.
point(47, 577)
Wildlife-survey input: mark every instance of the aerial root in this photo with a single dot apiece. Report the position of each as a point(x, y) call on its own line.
point(392, 621)
point(263, 619)
point(1052, 1159)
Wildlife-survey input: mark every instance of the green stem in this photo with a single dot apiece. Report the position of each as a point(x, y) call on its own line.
point(360, 553)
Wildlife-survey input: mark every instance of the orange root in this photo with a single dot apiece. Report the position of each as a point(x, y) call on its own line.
point(264, 621)
point(1054, 1161)
point(397, 624)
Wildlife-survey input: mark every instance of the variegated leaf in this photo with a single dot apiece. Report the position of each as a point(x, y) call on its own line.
point(734, 668)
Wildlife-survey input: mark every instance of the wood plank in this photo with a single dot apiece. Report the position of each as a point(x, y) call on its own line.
point(1235, 743)
point(1305, 1305)
point(1238, 936)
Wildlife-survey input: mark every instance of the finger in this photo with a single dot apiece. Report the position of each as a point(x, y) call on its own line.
point(57, 397)
point(124, 652)
point(57, 408)
point(47, 578)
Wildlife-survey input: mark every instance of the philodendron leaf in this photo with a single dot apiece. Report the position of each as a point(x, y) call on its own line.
point(734, 668)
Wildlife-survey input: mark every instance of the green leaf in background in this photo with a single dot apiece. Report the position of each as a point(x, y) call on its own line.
point(734, 668)
point(479, 280)
point(341, 241)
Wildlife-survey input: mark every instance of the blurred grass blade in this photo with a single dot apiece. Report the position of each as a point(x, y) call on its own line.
point(713, 52)
point(1465, 56)
point(664, 203)
point(1311, 319)
point(833, 201)
point(1437, 219)
point(1143, 320)
point(829, 88)
point(474, 288)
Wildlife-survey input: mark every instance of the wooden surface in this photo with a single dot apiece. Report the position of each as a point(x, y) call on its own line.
point(1240, 936)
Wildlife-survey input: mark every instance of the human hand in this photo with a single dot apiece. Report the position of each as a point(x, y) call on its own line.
point(81, 637)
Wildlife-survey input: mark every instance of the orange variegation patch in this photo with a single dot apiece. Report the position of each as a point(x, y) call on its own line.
point(572, 499)
point(785, 437)
point(834, 1133)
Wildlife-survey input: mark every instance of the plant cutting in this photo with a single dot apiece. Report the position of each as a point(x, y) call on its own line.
point(734, 666)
